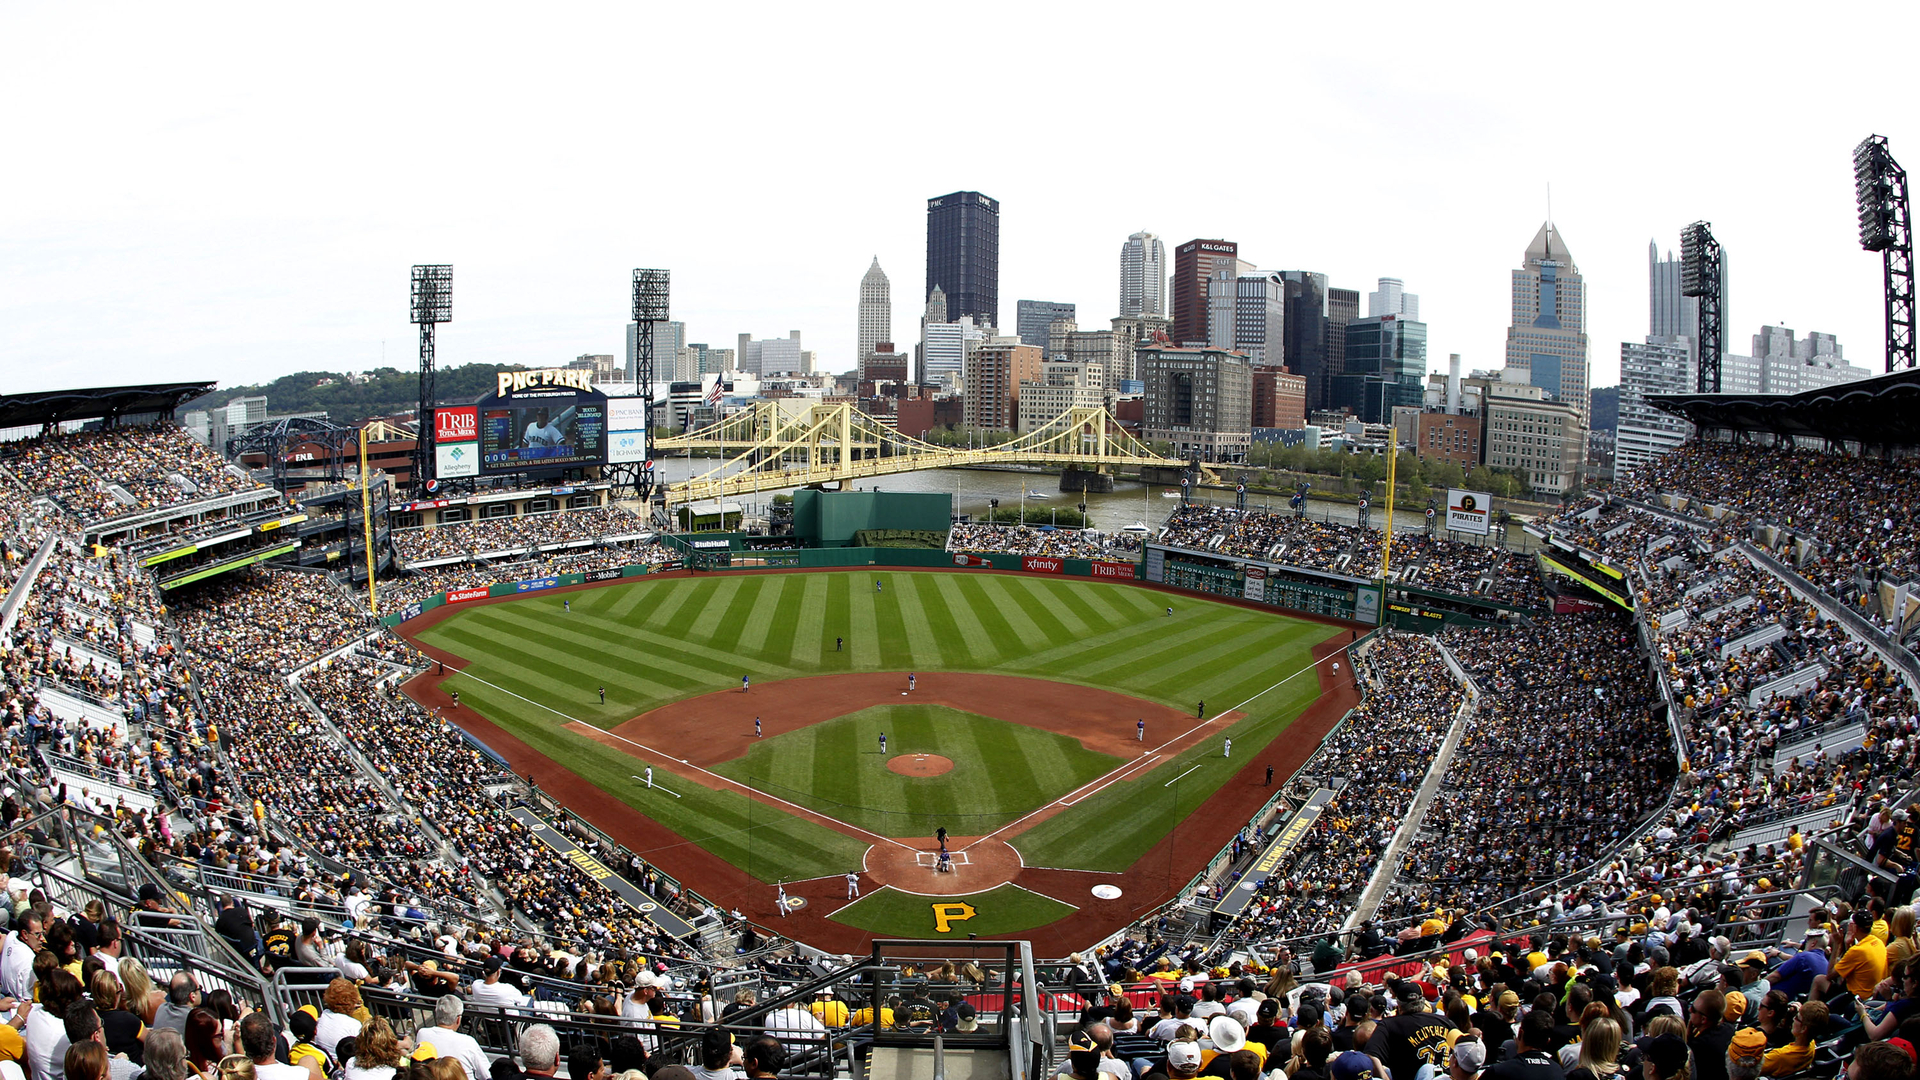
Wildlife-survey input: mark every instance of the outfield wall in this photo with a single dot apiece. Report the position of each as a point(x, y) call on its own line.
point(512, 588)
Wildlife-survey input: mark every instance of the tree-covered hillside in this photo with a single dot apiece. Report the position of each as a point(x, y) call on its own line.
point(349, 398)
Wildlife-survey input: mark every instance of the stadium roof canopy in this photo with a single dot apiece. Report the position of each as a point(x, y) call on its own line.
point(98, 403)
point(1881, 411)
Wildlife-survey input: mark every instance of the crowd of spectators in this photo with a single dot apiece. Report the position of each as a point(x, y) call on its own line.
point(982, 539)
point(268, 620)
point(1432, 562)
point(445, 781)
point(1560, 761)
point(1862, 510)
point(1383, 752)
point(155, 467)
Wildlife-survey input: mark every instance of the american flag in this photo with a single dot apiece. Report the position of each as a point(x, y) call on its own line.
point(713, 395)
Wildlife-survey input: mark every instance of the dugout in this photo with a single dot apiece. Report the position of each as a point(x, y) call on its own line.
point(829, 519)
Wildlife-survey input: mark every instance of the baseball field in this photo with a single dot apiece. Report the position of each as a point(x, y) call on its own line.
point(763, 728)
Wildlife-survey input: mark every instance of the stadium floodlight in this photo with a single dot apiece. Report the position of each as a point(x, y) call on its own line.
point(432, 296)
point(650, 288)
point(1880, 194)
point(1702, 277)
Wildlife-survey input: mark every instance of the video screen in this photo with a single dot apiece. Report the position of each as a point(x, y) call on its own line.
point(537, 434)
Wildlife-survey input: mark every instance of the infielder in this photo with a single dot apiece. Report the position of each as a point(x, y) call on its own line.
point(883, 742)
point(909, 680)
point(853, 885)
point(782, 900)
point(1228, 752)
point(1140, 730)
point(649, 776)
point(756, 727)
point(745, 681)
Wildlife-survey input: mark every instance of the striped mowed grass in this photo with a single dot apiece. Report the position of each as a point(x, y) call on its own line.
point(651, 642)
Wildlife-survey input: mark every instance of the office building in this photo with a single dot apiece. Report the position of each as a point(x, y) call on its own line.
point(1199, 400)
point(1784, 364)
point(876, 315)
point(1547, 339)
point(772, 356)
point(1034, 319)
point(885, 365)
point(1195, 264)
point(1392, 298)
point(1386, 368)
point(1061, 386)
point(705, 360)
point(1343, 306)
point(1279, 399)
point(1305, 333)
point(1260, 318)
point(1662, 364)
point(992, 372)
point(944, 349)
point(1544, 441)
point(1105, 348)
point(963, 255)
point(1447, 437)
point(1143, 276)
point(668, 339)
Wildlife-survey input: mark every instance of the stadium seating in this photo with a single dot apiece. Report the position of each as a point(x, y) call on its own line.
point(1636, 787)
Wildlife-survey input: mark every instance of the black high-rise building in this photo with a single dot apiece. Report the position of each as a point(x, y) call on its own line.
point(963, 254)
point(1306, 333)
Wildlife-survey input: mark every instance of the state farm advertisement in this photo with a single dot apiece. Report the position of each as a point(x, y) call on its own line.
point(461, 596)
point(456, 425)
point(1113, 569)
point(1038, 565)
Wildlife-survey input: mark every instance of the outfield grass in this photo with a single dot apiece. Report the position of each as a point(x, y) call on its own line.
point(651, 642)
point(1000, 771)
point(1008, 909)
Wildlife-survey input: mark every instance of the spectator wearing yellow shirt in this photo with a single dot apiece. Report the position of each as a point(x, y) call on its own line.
point(829, 1010)
point(1808, 1025)
point(864, 1016)
point(1864, 964)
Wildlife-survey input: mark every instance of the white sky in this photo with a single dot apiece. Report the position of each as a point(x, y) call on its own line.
point(236, 193)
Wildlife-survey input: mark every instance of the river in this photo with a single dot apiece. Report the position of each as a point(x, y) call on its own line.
point(1129, 503)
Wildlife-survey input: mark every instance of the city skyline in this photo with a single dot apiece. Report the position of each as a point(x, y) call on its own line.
point(210, 209)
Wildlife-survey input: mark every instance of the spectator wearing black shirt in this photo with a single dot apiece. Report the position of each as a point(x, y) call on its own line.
point(1412, 1037)
point(1495, 1021)
point(1532, 1060)
point(1708, 1034)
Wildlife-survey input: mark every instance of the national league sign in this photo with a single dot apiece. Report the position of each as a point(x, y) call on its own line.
point(1469, 511)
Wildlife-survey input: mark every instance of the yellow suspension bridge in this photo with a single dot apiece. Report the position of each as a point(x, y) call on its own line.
point(783, 443)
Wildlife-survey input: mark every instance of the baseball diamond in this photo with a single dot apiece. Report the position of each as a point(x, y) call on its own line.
point(786, 746)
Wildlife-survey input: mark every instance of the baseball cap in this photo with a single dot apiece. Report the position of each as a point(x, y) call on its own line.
point(968, 1017)
point(1509, 999)
point(1905, 1047)
point(1082, 1043)
point(1408, 991)
point(494, 964)
point(425, 1052)
point(1736, 1006)
point(149, 891)
point(1183, 1055)
point(1226, 1034)
point(1756, 958)
point(1352, 1065)
point(1186, 985)
point(1470, 1055)
point(1749, 1045)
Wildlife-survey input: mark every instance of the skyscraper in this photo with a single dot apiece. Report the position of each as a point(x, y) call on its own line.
point(1393, 299)
point(1547, 341)
point(1143, 276)
point(1343, 306)
point(1195, 263)
point(876, 314)
point(963, 254)
point(1306, 332)
point(1034, 319)
point(1386, 366)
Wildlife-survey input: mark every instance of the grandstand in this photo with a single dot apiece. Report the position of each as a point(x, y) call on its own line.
point(1695, 791)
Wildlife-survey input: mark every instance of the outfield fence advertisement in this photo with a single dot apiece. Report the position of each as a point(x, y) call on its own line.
point(1041, 564)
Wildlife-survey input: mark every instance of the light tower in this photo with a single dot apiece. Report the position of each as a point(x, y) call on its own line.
point(1700, 277)
point(1880, 188)
point(432, 304)
point(649, 307)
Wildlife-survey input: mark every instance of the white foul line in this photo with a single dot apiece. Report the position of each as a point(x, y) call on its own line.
point(1081, 793)
point(1176, 779)
point(723, 779)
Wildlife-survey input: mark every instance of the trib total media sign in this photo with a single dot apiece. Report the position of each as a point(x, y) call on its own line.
point(456, 442)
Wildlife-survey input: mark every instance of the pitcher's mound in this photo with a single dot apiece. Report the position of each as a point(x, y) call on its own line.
point(920, 764)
